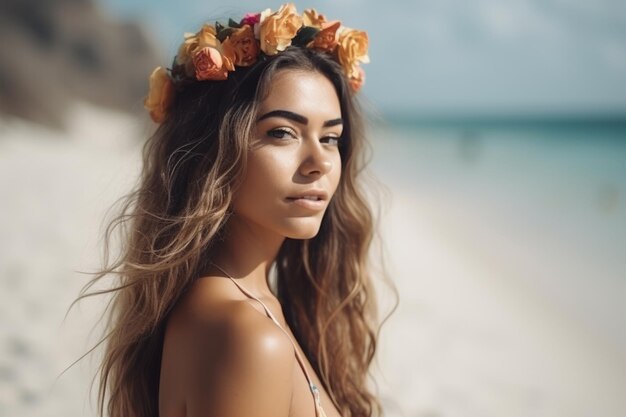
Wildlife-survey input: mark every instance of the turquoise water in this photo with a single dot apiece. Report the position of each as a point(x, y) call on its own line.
point(596, 145)
point(550, 194)
point(578, 150)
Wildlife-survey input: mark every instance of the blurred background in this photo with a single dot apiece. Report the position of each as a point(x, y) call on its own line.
point(498, 129)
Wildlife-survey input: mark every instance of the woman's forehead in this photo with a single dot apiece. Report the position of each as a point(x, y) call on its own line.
point(308, 93)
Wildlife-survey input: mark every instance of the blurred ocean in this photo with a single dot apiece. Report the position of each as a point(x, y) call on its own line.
point(505, 241)
point(555, 189)
point(508, 245)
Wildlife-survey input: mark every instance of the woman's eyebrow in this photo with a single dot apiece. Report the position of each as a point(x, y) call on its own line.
point(333, 122)
point(298, 118)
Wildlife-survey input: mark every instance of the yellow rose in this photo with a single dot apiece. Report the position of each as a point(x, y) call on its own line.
point(184, 55)
point(352, 49)
point(241, 46)
point(326, 39)
point(160, 95)
point(310, 17)
point(262, 16)
point(279, 28)
point(207, 37)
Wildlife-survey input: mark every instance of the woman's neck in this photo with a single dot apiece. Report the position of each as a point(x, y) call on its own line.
point(247, 254)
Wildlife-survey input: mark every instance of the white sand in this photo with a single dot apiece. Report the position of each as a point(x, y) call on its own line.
point(479, 331)
point(470, 339)
point(500, 312)
point(55, 190)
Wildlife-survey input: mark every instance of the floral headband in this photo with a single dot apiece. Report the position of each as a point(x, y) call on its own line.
point(216, 50)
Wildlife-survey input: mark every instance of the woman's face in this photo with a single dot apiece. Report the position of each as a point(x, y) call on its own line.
point(294, 164)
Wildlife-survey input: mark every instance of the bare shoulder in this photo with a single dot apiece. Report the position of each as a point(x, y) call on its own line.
point(223, 357)
point(216, 309)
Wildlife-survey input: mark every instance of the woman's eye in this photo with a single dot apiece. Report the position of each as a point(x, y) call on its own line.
point(332, 140)
point(280, 133)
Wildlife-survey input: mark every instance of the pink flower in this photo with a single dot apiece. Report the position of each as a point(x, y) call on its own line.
point(251, 19)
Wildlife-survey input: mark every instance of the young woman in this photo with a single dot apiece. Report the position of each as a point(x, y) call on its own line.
point(244, 279)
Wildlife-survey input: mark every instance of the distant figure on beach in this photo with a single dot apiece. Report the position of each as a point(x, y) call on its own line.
point(244, 277)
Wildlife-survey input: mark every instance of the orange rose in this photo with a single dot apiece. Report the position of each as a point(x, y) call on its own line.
point(279, 28)
point(326, 39)
point(352, 49)
point(312, 18)
point(206, 37)
point(184, 55)
point(160, 95)
point(209, 64)
point(241, 46)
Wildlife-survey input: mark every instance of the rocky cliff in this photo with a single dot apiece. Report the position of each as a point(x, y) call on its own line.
point(56, 51)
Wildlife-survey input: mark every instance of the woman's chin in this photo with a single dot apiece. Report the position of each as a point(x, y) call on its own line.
point(304, 230)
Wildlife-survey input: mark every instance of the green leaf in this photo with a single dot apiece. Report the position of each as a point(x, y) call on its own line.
point(233, 24)
point(224, 33)
point(218, 27)
point(304, 36)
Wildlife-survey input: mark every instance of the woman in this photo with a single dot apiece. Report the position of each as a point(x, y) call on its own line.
point(244, 277)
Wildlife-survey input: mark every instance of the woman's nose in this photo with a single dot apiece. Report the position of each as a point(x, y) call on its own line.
point(316, 160)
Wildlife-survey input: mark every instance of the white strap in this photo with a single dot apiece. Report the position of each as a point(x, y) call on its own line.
point(319, 411)
point(312, 386)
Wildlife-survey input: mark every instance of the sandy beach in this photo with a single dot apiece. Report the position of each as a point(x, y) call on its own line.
point(507, 308)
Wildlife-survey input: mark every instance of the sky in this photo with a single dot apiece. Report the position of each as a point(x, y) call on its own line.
point(453, 57)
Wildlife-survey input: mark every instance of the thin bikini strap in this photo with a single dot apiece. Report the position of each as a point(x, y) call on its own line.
point(314, 390)
point(271, 316)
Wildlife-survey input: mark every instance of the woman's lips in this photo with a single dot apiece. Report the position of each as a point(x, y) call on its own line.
point(307, 203)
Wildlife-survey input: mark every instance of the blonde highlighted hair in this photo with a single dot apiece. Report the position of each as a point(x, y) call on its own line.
point(192, 166)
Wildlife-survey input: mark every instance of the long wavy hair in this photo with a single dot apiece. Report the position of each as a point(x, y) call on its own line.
point(192, 167)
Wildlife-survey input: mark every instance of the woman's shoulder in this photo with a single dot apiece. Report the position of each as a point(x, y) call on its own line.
point(216, 344)
point(214, 308)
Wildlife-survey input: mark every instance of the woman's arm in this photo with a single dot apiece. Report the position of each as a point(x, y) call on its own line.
point(229, 362)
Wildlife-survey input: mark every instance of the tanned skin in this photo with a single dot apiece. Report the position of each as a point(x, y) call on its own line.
point(222, 355)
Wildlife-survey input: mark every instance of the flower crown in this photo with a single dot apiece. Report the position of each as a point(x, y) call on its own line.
point(216, 50)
